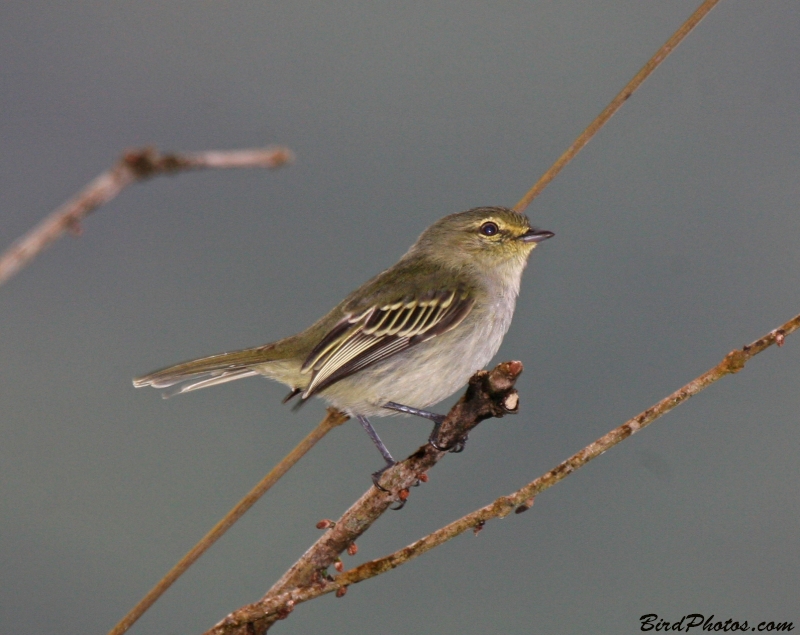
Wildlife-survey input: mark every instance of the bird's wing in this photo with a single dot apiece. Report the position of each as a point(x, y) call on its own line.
point(370, 336)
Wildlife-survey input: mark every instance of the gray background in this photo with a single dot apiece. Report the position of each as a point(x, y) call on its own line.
point(676, 241)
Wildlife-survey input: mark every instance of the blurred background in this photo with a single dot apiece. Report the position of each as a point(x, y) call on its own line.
point(676, 241)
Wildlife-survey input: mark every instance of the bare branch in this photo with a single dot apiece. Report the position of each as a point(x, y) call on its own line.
point(616, 103)
point(489, 394)
point(291, 590)
point(133, 166)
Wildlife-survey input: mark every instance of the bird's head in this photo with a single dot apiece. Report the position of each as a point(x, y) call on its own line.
point(485, 237)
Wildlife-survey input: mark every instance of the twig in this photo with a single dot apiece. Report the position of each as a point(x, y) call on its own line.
point(256, 618)
point(133, 166)
point(489, 394)
point(334, 418)
point(616, 103)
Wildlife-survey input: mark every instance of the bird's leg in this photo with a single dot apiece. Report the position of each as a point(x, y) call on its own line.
point(427, 414)
point(437, 419)
point(381, 448)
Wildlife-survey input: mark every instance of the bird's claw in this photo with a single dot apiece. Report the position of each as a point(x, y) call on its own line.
point(376, 477)
point(457, 446)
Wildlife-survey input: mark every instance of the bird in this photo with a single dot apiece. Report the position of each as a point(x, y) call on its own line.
point(403, 341)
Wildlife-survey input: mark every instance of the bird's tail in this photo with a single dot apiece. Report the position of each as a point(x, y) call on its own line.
point(218, 369)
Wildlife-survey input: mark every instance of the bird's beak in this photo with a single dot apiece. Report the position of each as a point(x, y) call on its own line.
point(536, 235)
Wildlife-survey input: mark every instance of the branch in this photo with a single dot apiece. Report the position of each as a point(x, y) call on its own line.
point(593, 128)
point(282, 598)
point(489, 394)
point(133, 166)
point(334, 418)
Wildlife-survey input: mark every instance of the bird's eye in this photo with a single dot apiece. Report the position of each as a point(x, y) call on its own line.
point(489, 228)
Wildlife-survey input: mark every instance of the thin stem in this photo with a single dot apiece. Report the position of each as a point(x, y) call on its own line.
point(334, 418)
point(522, 499)
point(135, 165)
point(616, 103)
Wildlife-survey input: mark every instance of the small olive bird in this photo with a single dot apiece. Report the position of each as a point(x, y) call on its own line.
point(404, 340)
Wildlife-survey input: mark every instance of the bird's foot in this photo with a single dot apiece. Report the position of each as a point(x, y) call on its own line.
point(402, 495)
point(433, 439)
point(376, 476)
point(457, 446)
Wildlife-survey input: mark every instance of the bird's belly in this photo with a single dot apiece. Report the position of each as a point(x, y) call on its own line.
point(426, 373)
